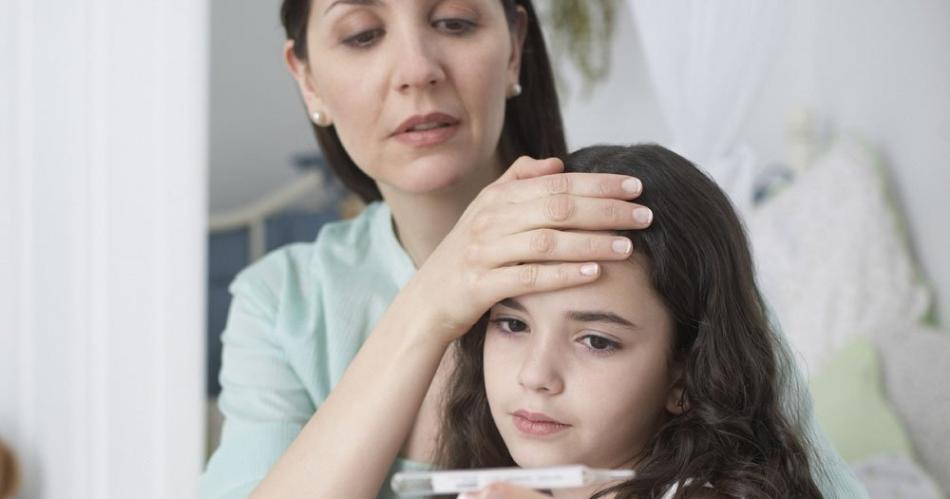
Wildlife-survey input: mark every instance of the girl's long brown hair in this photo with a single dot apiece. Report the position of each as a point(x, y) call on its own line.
point(735, 372)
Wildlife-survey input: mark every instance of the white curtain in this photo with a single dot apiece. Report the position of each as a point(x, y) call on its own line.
point(707, 59)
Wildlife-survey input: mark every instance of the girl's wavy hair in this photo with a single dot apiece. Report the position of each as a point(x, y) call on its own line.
point(532, 125)
point(737, 432)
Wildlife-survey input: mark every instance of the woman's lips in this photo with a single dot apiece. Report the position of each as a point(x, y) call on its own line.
point(537, 425)
point(426, 138)
point(423, 130)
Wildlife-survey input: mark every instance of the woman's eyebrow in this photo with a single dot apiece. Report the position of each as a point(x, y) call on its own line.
point(599, 316)
point(351, 2)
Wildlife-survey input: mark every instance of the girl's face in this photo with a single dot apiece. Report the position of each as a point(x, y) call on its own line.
point(415, 88)
point(581, 375)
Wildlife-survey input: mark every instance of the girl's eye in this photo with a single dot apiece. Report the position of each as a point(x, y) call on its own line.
point(363, 39)
point(454, 26)
point(599, 344)
point(510, 325)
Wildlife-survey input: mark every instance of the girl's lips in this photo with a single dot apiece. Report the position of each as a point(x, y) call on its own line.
point(537, 425)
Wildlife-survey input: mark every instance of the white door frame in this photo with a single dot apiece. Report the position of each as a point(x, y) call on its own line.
point(103, 166)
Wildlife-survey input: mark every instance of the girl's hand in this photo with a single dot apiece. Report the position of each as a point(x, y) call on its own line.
point(504, 491)
point(519, 236)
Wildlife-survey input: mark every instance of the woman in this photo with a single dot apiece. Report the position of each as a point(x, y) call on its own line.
point(666, 364)
point(421, 104)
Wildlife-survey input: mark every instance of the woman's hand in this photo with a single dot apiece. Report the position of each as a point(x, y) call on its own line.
point(504, 491)
point(520, 236)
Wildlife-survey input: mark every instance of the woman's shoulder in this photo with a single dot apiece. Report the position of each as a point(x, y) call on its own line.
point(342, 251)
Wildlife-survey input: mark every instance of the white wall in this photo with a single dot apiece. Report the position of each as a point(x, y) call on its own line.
point(879, 70)
point(102, 222)
point(257, 119)
point(620, 110)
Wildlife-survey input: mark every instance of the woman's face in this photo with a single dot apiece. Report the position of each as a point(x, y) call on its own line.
point(581, 375)
point(415, 88)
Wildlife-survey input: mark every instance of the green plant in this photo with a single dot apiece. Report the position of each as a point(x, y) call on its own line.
point(581, 32)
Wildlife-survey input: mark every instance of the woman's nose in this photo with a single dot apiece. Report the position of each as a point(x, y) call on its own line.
point(417, 65)
point(541, 370)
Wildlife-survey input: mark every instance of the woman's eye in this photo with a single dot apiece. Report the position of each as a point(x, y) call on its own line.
point(363, 39)
point(599, 344)
point(454, 26)
point(510, 325)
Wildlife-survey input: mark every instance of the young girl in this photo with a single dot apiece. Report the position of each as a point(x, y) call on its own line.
point(666, 365)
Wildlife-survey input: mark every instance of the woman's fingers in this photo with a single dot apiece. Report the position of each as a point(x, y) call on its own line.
point(517, 280)
point(595, 185)
point(542, 245)
point(563, 211)
point(526, 167)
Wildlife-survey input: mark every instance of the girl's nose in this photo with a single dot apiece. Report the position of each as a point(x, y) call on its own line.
point(417, 65)
point(540, 370)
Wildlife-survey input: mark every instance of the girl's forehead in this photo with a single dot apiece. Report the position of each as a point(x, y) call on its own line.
point(623, 287)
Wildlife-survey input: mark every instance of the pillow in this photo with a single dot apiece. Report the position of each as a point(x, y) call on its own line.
point(831, 258)
point(896, 477)
point(915, 374)
point(851, 408)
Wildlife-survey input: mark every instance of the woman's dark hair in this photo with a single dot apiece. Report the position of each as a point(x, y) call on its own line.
point(532, 125)
point(734, 371)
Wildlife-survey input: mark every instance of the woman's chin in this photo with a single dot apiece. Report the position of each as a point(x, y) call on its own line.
point(429, 178)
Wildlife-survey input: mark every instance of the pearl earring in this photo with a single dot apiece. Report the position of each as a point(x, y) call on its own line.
point(317, 117)
point(515, 89)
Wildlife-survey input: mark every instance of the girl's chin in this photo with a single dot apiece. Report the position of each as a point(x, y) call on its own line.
point(540, 459)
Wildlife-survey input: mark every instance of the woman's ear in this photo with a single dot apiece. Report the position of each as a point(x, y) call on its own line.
point(519, 31)
point(300, 71)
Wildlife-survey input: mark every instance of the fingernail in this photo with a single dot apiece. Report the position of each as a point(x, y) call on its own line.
point(621, 246)
point(643, 215)
point(589, 269)
point(632, 185)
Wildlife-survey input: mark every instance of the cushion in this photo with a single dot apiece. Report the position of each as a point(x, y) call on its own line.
point(851, 407)
point(831, 257)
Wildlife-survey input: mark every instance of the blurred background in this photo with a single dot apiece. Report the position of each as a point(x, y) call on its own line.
point(150, 152)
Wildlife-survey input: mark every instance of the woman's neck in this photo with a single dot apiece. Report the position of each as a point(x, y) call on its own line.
point(423, 220)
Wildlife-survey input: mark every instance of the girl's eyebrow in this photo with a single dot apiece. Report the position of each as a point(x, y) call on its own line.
point(351, 2)
point(513, 303)
point(579, 315)
point(600, 316)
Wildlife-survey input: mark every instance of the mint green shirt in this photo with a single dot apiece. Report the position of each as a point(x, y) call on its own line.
point(297, 319)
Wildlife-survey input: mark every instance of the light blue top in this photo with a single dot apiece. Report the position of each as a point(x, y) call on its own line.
point(297, 319)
